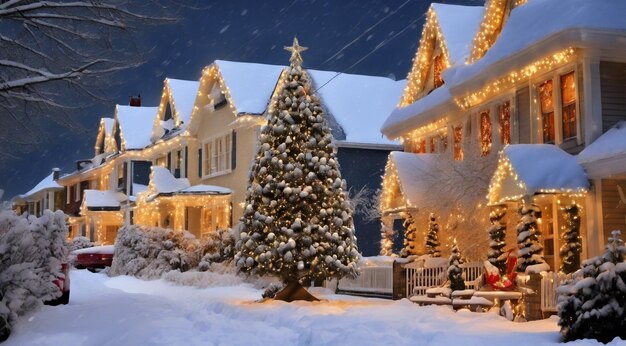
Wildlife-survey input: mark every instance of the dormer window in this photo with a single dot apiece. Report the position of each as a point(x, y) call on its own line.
point(216, 97)
point(438, 67)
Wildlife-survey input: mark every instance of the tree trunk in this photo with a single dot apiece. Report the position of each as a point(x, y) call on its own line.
point(294, 291)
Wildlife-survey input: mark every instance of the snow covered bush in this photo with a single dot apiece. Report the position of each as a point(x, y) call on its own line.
point(432, 237)
point(455, 273)
point(593, 304)
point(218, 247)
point(497, 241)
point(31, 253)
point(80, 242)
point(572, 246)
point(149, 252)
point(410, 232)
point(530, 249)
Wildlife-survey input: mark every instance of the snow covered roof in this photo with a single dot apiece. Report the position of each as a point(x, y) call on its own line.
point(418, 113)
point(108, 124)
point(206, 189)
point(162, 181)
point(541, 27)
point(528, 169)
point(358, 103)
point(250, 85)
point(96, 199)
point(47, 183)
point(183, 96)
point(606, 156)
point(135, 125)
point(411, 169)
point(458, 25)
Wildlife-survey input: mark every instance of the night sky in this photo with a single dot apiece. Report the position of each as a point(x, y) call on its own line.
point(250, 31)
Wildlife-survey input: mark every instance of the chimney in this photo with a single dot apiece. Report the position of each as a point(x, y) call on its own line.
point(55, 174)
point(135, 101)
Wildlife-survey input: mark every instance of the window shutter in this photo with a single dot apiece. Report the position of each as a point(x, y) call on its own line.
point(186, 158)
point(169, 160)
point(233, 152)
point(200, 162)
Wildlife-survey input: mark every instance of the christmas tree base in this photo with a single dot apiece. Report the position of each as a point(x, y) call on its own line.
point(294, 291)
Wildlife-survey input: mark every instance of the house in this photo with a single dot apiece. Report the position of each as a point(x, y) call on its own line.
point(536, 99)
point(47, 194)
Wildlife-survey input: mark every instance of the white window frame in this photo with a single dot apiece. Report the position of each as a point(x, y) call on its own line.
point(493, 106)
point(217, 155)
point(555, 76)
point(67, 194)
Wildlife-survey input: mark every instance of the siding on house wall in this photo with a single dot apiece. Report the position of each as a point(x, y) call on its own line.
point(213, 124)
point(364, 168)
point(522, 104)
point(613, 90)
point(613, 207)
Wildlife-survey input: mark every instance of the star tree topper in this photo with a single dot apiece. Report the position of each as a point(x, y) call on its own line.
point(295, 49)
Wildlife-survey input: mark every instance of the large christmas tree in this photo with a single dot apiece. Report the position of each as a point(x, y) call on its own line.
point(570, 251)
point(410, 232)
point(497, 235)
point(528, 233)
point(297, 222)
point(432, 237)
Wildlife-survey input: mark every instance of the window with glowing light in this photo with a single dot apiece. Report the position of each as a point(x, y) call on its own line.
point(217, 155)
point(546, 102)
point(504, 120)
point(438, 67)
point(419, 146)
point(458, 137)
point(568, 104)
point(432, 144)
point(485, 133)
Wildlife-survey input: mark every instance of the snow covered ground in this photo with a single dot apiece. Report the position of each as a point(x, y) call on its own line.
point(129, 311)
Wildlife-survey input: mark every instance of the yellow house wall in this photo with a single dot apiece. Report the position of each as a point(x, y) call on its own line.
point(217, 123)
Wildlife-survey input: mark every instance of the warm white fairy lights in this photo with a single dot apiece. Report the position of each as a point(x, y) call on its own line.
point(416, 81)
point(505, 170)
point(513, 78)
point(490, 27)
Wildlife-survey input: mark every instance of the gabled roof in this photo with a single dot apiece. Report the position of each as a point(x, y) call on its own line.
point(180, 96)
point(105, 133)
point(458, 25)
point(357, 103)
point(47, 183)
point(542, 27)
point(250, 85)
point(135, 125)
point(453, 27)
point(528, 169)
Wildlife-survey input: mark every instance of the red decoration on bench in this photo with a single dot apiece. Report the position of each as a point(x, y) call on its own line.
point(502, 282)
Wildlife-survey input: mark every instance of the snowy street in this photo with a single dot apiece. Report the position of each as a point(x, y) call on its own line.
point(129, 311)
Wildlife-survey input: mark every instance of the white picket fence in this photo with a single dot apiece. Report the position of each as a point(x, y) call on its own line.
point(550, 282)
point(420, 277)
point(373, 280)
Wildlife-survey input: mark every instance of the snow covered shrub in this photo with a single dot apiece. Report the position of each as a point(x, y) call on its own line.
point(593, 304)
point(218, 247)
point(80, 242)
point(149, 252)
point(31, 253)
point(272, 289)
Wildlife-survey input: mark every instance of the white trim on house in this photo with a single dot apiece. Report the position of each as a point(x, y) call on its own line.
point(373, 146)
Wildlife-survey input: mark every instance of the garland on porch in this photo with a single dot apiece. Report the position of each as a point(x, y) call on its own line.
point(570, 251)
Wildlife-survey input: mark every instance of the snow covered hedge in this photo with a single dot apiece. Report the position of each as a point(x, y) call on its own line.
point(31, 253)
point(150, 252)
point(80, 242)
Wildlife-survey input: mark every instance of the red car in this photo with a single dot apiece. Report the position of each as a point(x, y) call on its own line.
point(93, 258)
point(63, 283)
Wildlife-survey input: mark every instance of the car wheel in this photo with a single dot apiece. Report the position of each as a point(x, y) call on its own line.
point(5, 329)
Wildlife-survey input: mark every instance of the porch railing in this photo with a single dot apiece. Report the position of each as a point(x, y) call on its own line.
point(420, 277)
point(373, 280)
point(550, 282)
